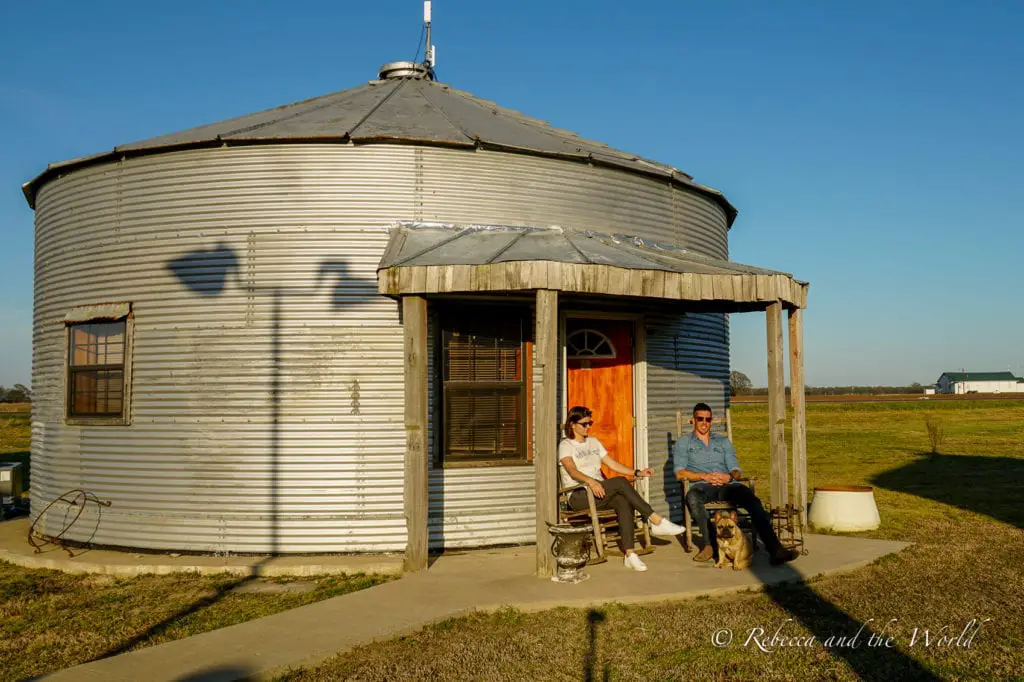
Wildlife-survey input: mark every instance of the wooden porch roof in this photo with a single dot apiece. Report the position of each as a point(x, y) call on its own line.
point(429, 258)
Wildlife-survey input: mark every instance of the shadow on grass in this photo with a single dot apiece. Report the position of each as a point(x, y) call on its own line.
point(832, 628)
point(590, 663)
point(221, 673)
point(171, 620)
point(986, 485)
point(823, 619)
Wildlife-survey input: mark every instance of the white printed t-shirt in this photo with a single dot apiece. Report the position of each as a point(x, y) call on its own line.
point(586, 456)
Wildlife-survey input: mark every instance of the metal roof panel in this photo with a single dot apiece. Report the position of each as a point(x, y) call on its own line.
point(979, 376)
point(598, 252)
point(410, 115)
point(331, 115)
point(542, 245)
point(417, 243)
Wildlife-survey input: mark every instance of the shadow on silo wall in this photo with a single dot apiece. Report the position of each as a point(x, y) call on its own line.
point(210, 272)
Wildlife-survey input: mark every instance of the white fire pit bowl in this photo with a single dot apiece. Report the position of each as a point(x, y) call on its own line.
point(844, 508)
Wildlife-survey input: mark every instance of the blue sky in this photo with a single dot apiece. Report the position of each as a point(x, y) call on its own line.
point(875, 149)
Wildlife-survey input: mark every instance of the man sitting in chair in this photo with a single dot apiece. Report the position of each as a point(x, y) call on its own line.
point(708, 461)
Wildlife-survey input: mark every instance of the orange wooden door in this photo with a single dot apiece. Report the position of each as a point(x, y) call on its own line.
point(600, 371)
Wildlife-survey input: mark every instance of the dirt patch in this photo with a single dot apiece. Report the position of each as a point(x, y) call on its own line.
point(275, 587)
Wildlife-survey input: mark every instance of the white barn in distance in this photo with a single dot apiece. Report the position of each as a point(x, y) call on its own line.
point(979, 382)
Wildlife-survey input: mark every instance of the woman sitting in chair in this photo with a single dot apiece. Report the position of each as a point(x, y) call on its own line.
point(581, 458)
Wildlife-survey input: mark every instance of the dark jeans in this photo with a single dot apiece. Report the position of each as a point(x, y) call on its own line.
point(623, 498)
point(737, 495)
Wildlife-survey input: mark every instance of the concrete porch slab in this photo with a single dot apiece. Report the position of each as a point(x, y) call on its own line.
point(455, 584)
point(15, 549)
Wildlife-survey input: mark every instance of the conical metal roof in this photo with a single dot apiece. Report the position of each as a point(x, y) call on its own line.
point(396, 110)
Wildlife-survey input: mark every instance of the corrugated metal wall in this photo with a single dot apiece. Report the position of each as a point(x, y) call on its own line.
point(498, 188)
point(687, 363)
point(248, 269)
point(267, 400)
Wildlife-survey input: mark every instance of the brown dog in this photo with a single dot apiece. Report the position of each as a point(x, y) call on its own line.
point(733, 546)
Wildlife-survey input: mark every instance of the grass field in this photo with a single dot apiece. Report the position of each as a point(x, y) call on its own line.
point(962, 508)
point(49, 620)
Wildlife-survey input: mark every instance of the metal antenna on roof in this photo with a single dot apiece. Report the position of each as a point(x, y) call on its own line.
point(414, 69)
point(429, 52)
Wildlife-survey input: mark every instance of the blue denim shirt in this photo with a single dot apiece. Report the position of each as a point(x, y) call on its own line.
point(691, 454)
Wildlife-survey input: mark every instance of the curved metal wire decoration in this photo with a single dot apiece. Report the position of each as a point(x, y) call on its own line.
point(73, 499)
point(788, 528)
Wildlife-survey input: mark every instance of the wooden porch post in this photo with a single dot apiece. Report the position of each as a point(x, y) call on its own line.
point(796, 381)
point(414, 326)
point(777, 407)
point(545, 418)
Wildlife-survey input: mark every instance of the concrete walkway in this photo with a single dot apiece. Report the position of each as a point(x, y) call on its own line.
point(481, 580)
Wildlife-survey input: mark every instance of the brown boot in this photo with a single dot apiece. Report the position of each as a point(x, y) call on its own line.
point(705, 554)
point(781, 555)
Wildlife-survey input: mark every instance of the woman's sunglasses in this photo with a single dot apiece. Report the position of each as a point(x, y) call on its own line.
point(585, 425)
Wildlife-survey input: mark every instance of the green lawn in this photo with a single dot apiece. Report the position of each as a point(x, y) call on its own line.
point(962, 508)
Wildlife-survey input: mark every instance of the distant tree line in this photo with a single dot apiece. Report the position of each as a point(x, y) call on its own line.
point(17, 394)
point(863, 390)
point(740, 384)
point(850, 390)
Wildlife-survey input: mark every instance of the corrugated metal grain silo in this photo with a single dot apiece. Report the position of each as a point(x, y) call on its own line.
point(212, 353)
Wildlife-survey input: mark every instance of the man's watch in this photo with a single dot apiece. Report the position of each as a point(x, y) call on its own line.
point(636, 473)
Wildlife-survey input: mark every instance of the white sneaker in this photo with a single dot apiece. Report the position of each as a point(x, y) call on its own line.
point(666, 528)
point(633, 561)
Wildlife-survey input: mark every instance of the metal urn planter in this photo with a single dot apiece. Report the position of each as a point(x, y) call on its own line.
point(845, 509)
point(571, 549)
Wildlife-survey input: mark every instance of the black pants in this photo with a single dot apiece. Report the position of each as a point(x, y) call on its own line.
point(737, 495)
point(624, 499)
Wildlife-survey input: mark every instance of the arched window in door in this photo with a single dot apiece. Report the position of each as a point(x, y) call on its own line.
point(589, 344)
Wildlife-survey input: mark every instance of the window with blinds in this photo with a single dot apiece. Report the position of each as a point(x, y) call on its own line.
point(484, 373)
point(96, 361)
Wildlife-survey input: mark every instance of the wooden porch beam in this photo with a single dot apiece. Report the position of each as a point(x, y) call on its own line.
point(545, 418)
point(796, 381)
point(725, 291)
point(414, 326)
point(777, 407)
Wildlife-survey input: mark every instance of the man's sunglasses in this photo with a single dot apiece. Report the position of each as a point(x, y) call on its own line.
point(702, 419)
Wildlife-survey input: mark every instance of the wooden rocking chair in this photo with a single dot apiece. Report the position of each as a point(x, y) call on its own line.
point(604, 522)
point(711, 507)
point(725, 507)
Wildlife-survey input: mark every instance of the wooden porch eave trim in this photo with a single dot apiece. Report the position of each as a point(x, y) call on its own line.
point(587, 278)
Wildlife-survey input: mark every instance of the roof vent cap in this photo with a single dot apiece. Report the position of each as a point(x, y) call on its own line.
point(393, 70)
